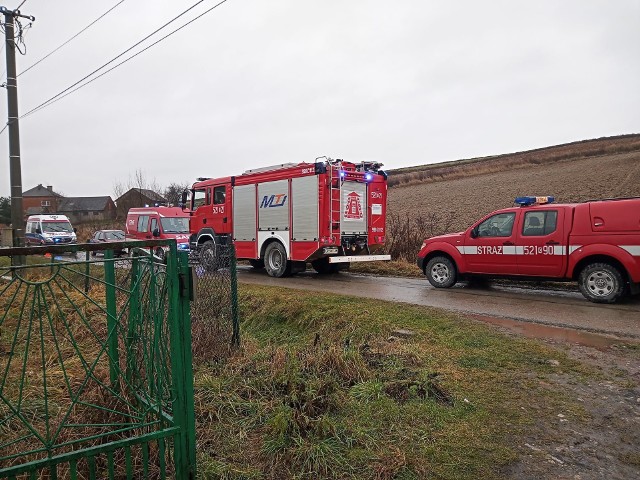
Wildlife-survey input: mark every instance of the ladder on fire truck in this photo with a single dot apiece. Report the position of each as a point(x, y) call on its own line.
point(335, 194)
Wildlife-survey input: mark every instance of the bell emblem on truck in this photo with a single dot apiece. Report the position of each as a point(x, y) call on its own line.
point(353, 210)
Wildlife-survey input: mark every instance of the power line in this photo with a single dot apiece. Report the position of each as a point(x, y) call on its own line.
point(70, 90)
point(50, 100)
point(23, 2)
point(76, 35)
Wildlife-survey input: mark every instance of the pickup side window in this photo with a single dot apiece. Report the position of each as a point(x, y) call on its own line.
point(500, 225)
point(539, 223)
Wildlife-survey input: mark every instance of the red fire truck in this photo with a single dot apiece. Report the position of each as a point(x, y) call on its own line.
point(596, 243)
point(328, 213)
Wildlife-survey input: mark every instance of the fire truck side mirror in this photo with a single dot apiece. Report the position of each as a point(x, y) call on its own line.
point(183, 200)
point(474, 232)
point(156, 232)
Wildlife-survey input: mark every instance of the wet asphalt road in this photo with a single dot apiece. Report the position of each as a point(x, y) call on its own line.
point(548, 307)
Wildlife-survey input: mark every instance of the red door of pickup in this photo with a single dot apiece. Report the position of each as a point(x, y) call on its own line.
point(540, 240)
point(490, 246)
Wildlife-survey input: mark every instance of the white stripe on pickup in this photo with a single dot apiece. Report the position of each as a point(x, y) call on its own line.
point(632, 249)
point(559, 250)
point(508, 250)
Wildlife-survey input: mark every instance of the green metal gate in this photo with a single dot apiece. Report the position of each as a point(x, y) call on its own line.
point(95, 363)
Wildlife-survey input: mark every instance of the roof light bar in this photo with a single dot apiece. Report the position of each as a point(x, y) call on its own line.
point(530, 200)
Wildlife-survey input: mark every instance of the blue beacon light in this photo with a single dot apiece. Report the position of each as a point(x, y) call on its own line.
point(342, 174)
point(531, 200)
point(368, 176)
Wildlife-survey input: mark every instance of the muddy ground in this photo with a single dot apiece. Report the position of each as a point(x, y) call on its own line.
point(602, 443)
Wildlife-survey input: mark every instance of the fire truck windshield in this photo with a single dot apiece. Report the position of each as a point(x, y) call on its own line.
point(175, 224)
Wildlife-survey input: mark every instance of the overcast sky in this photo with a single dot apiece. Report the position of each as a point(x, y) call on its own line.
point(259, 82)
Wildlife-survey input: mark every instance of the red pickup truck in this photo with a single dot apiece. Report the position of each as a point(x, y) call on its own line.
point(594, 243)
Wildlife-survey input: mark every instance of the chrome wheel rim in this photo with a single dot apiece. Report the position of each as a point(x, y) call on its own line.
point(601, 284)
point(440, 272)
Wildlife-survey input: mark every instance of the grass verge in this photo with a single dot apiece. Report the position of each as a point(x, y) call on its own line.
point(393, 268)
point(325, 387)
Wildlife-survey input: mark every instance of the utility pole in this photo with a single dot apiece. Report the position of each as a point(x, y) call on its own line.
point(15, 170)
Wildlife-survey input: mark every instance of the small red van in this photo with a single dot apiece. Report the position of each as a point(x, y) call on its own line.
point(148, 223)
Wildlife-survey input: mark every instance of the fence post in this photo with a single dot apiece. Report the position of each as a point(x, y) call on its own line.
point(181, 362)
point(112, 320)
point(87, 272)
point(233, 271)
point(134, 319)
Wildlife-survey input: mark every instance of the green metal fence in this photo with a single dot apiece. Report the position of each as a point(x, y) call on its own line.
point(214, 310)
point(95, 364)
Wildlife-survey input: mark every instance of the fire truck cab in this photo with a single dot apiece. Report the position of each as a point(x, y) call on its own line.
point(280, 218)
point(594, 243)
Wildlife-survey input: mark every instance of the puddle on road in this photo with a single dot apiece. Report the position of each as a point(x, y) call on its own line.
point(548, 332)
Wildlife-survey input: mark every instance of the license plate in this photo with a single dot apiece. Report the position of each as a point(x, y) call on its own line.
point(330, 250)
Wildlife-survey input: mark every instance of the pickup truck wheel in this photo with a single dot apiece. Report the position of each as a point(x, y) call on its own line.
point(601, 283)
point(441, 272)
point(275, 260)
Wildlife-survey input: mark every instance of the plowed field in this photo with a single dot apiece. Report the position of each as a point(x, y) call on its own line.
point(469, 198)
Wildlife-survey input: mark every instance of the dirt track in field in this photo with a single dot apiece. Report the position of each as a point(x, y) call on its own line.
point(467, 199)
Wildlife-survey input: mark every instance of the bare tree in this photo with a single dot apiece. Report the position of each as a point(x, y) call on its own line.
point(138, 181)
point(405, 233)
point(173, 193)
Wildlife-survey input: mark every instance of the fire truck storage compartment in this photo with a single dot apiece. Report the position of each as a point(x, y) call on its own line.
point(273, 214)
point(304, 191)
point(244, 213)
point(353, 207)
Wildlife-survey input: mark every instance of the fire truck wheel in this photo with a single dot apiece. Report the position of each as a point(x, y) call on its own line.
point(275, 260)
point(441, 272)
point(208, 256)
point(257, 264)
point(601, 283)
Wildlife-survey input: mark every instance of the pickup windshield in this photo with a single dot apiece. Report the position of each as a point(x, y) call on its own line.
point(175, 225)
point(50, 227)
